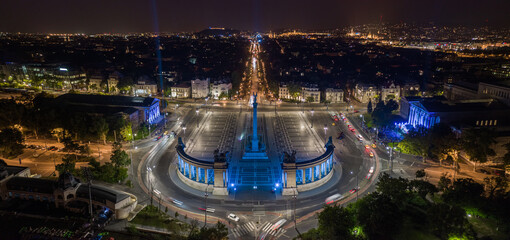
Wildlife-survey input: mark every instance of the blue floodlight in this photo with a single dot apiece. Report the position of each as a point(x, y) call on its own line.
point(277, 184)
point(231, 184)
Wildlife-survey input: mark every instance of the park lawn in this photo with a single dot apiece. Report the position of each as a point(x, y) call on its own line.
point(151, 216)
point(415, 232)
point(486, 227)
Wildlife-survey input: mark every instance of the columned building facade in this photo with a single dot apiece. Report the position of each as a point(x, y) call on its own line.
point(303, 175)
point(419, 116)
point(200, 174)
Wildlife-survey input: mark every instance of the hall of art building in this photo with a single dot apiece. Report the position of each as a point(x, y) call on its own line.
point(427, 112)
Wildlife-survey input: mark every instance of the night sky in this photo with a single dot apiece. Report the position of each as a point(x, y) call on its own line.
point(101, 16)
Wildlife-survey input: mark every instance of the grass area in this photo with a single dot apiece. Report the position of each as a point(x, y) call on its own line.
point(486, 227)
point(415, 232)
point(135, 236)
point(151, 216)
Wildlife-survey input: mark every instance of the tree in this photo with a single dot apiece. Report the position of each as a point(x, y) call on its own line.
point(101, 128)
point(477, 144)
point(394, 188)
point(444, 145)
point(294, 90)
point(218, 232)
point(420, 173)
point(68, 164)
point(463, 190)
point(11, 142)
point(422, 188)
point(445, 220)
point(343, 218)
point(58, 133)
point(495, 186)
point(379, 216)
point(506, 157)
point(120, 158)
point(310, 99)
point(416, 142)
point(369, 106)
point(382, 113)
point(444, 183)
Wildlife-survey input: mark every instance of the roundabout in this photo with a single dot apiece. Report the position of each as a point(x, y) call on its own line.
point(260, 167)
point(347, 165)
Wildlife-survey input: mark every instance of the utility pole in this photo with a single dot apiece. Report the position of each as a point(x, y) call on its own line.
point(312, 118)
point(391, 155)
point(87, 174)
point(205, 215)
point(294, 197)
point(357, 186)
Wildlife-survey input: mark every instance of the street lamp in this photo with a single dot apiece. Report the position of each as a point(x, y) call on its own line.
point(390, 151)
point(206, 195)
point(312, 118)
point(357, 185)
point(197, 117)
point(206, 99)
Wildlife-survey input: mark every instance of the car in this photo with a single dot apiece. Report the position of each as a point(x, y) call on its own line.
point(211, 210)
point(177, 202)
point(352, 129)
point(356, 111)
point(233, 217)
point(156, 139)
point(371, 154)
point(367, 146)
point(371, 170)
point(333, 198)
point(373, 145)
point(279, 224)
point(353, 190)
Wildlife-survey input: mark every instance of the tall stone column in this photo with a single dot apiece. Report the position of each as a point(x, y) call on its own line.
point(255, 137)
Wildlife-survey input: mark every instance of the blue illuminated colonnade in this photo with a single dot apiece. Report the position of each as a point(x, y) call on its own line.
point(419, 116)
point(200, 174)
point(152, 113)
point(305, 175)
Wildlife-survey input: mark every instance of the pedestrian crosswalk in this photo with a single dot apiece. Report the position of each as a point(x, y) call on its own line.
point(244, 229)
point(271, 230)
point(266, 231)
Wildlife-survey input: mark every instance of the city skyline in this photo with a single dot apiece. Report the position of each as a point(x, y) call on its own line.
point(157, 16)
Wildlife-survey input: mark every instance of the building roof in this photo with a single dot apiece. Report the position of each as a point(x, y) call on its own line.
point(103, 110)
point(502, 84)
point(182, 85)
point(38, 185)
point(463, 106)
point(101, 193)
point(108, 100)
